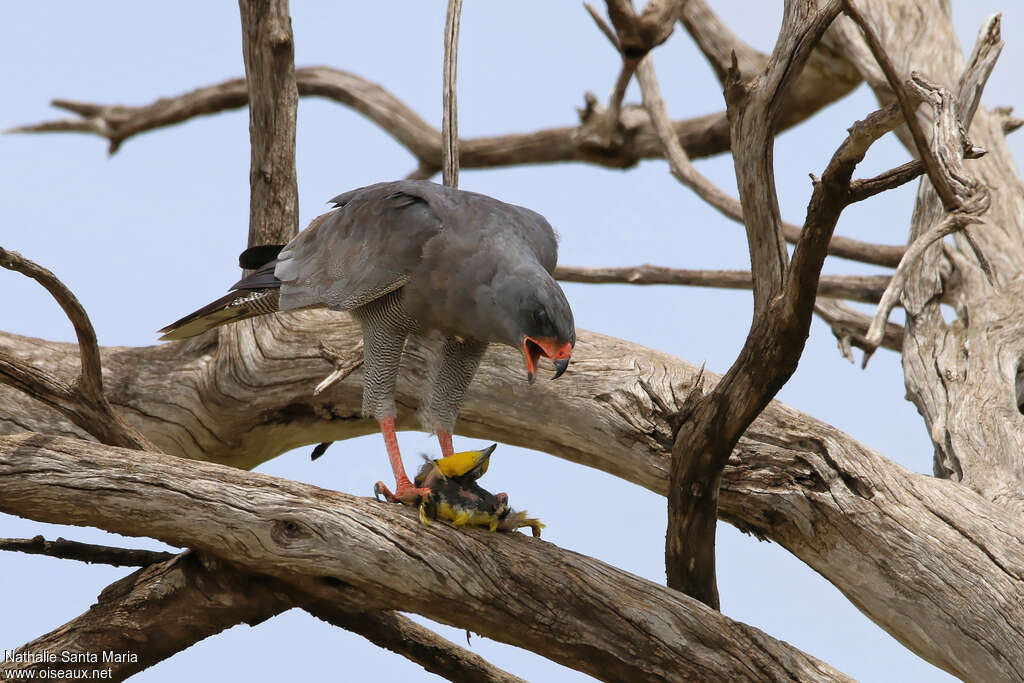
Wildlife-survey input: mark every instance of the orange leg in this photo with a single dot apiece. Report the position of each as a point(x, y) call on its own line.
point(405, 492)
point(445, 439)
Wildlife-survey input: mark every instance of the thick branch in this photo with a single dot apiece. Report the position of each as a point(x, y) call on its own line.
point(166, 607)
point(269, 52)
point(783, 305)
point(881, 534)
point(864, 288)
point(596, 617)
point(158, 611)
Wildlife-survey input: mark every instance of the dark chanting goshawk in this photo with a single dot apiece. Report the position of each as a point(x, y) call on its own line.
point(413, 257)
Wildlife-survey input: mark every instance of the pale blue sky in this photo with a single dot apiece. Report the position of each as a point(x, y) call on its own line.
point(153, 232)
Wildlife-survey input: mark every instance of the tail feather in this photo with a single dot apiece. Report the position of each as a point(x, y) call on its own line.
point(256, 294)
point(234, 306)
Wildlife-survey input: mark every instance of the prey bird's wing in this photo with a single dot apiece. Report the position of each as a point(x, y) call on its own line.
point(364, 249)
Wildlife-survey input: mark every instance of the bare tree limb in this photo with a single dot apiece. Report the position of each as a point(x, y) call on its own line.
point(84, 403)
point(883, 535)
point(783, 305)
point(180, 599)
point(850, 328)
point(85, 552)
point(450, 115)
point(700, 137)
point(954, 222)
point(269, 53)
point(864, 288)
point(596, 618)
point(400, 634)
point(90, 379)
point(948, 141)
point(909, 107)
point(718, 43)
point(679, 162)
point(603, 26)
point(158, 611)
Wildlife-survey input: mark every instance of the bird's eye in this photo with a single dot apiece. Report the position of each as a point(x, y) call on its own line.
point(540, 316)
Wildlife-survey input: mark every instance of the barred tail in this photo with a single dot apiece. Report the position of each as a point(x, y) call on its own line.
point(235, 306)
point(256, 294)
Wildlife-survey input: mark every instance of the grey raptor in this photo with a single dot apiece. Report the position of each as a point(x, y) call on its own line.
point(413, 257)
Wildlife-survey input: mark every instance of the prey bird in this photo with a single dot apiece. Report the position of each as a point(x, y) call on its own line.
point(414, 257)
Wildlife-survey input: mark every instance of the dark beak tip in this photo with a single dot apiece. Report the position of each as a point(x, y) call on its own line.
point(531, 377)
point(560, 367)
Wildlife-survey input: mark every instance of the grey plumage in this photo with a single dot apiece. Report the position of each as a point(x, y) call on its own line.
point(414, 257)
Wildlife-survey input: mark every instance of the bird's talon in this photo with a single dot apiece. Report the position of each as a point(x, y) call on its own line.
point(379, 489)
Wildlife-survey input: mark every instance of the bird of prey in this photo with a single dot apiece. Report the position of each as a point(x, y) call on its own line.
point(413, 257)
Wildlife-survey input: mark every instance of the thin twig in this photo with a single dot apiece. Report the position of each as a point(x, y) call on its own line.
point(450, 118)
point(86, 552)
point(728, 206)
point(344, 364)
point(850, 327)
point(603, 26)
point(952, 223)
point(863, 288)
point(701, 136)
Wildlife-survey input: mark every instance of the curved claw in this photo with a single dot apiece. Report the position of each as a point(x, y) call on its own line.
point(379, 489)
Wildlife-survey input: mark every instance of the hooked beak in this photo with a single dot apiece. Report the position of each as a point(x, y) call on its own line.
point(533, 349)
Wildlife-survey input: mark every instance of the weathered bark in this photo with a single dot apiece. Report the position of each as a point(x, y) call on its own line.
point(156, 612)
point(570, 608)
point(961, 376)
point(166, 607)
point(269, 53)
point(784, 296)
point(938, 566)
point(883, 535)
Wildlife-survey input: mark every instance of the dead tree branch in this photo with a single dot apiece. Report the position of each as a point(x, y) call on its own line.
point(700, 137)
point(269, 53)
point(881, 534)
point(947, 146)
point(850, 328)
point(158, 610)
point(291, 531)
point(85, 552)
point(863, 288)
point(450, 116)
point(181, 599)
point(82, 402)
point(909, 107)
point(783, 304)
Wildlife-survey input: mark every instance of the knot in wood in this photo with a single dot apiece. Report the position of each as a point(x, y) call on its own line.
point(287, 532)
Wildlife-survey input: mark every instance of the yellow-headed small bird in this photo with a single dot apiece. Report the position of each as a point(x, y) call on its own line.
point(456, 497)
